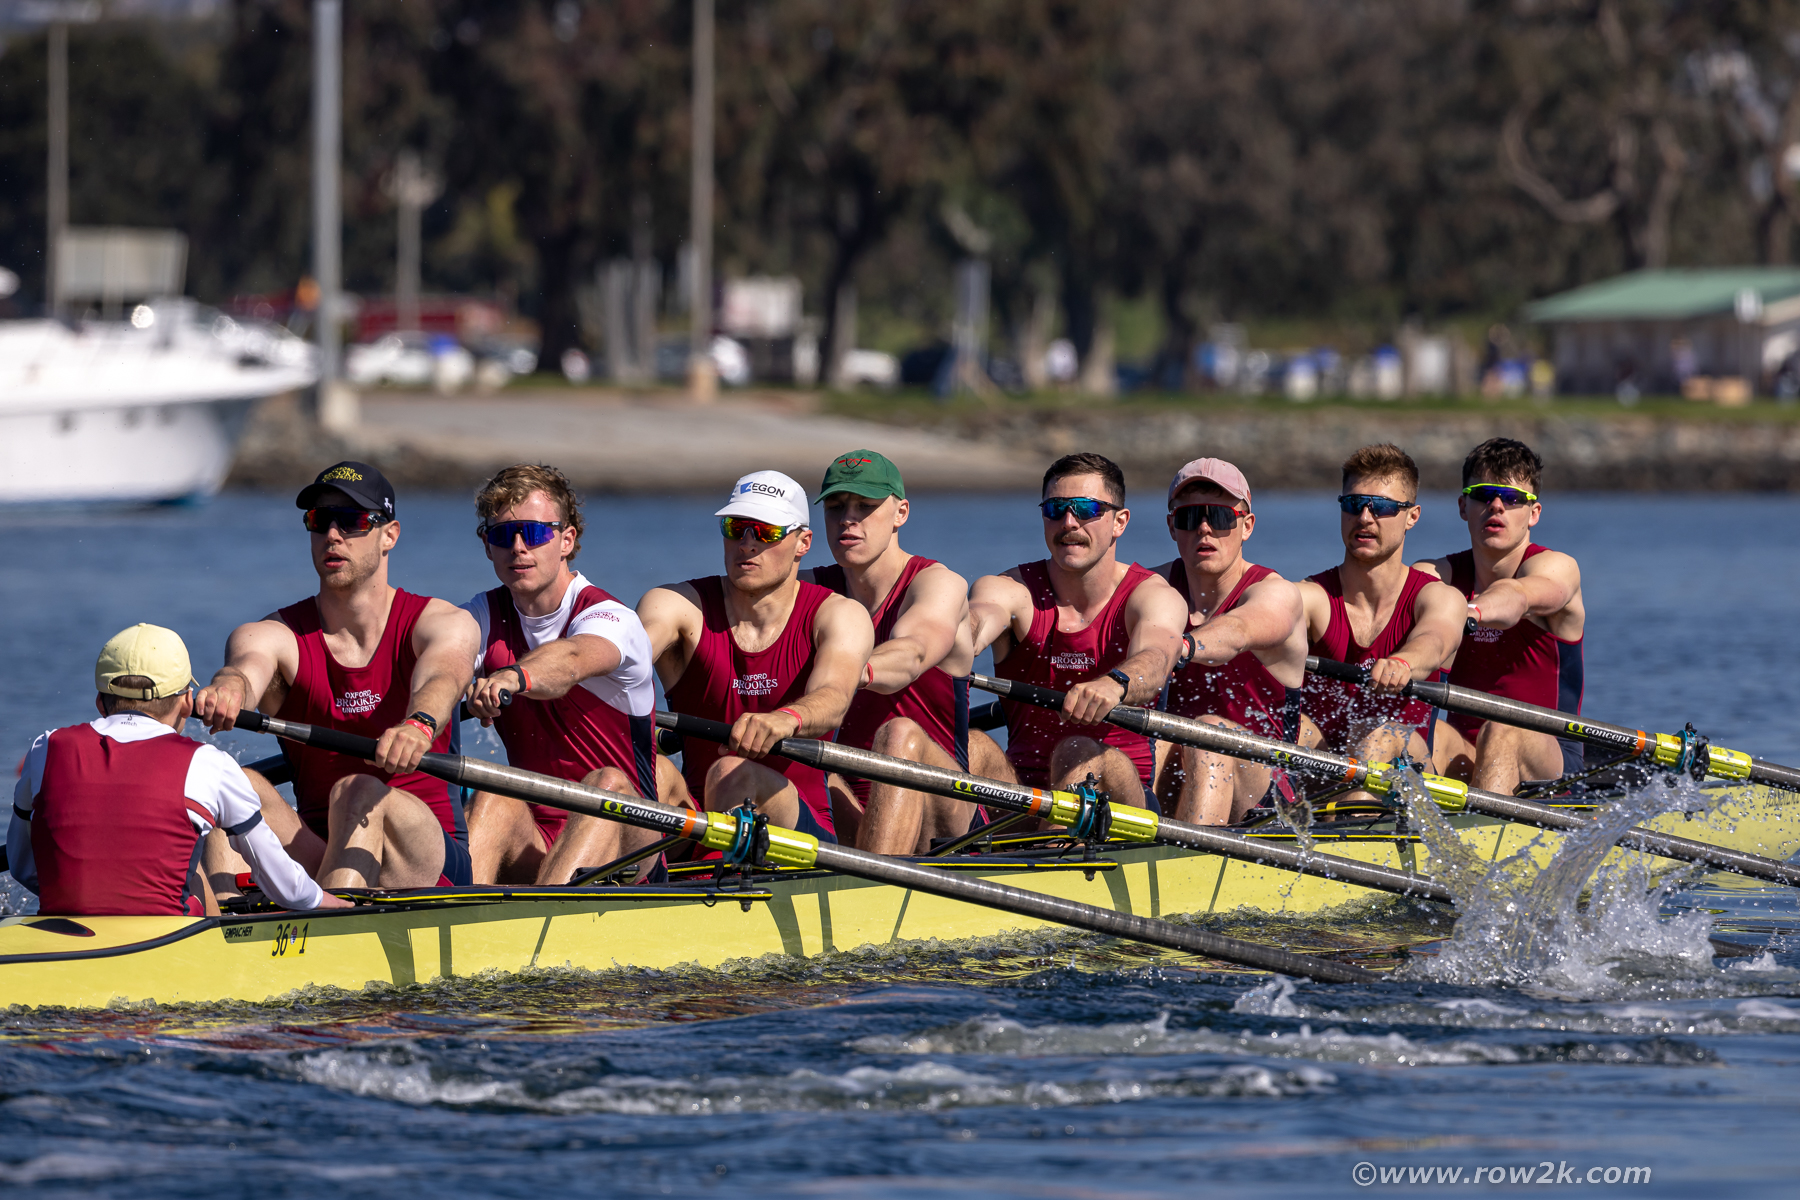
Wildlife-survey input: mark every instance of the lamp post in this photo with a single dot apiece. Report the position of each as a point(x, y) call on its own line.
point(337, 403)
point(703, 380)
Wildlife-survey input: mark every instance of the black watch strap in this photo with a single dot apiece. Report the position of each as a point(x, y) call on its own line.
point(424, 718)
point(1121, 678)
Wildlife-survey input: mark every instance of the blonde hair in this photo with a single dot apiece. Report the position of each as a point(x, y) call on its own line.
point(515, 484)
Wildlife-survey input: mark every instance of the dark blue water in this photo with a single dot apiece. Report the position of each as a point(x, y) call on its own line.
point(1054, 1065)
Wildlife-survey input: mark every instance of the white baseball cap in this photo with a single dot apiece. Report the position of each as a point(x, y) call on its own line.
point(767, 496)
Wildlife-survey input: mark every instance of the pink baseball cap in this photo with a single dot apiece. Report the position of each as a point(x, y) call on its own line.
point(1216, 471)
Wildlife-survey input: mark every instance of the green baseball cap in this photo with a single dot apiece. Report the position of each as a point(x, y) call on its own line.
point(862, 473)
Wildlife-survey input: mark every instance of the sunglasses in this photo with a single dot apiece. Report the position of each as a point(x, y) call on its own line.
point(1085, 508)
point(535, 533)
point(734, 528)
point(1511, 497)
point(1220, 518)
point(348, 520)
point(1381, 506)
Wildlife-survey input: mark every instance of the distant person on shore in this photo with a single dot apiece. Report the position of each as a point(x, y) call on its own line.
point(1525, 619)
point(1243, 656)
point(768, 654)
point(1080, 622)
point(577, 665)
point(369, 659)
point(1374, 609)
point(912, 701)
point(107, 816)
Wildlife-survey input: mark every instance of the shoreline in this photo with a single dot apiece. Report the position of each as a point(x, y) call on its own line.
point(611, 441)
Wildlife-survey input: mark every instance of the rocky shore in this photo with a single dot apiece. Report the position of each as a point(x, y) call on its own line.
point(659, 442)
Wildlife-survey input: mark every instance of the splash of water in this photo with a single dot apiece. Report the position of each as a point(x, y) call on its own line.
point(1522, 920)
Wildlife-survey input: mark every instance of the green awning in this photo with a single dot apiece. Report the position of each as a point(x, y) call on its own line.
point(1667, 295)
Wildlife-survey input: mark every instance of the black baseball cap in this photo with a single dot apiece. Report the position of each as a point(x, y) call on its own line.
point(359, 481)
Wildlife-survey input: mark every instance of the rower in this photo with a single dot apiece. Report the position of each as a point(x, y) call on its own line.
point(762, 651)
point(577, 664)
point(1372, 608)
point(108, 816)
point(1084, 623)
point(1243, 658)
point(366, 658)
point(912, 701)
point(1524, 626)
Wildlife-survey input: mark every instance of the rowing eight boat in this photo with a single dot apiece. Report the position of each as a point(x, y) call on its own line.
point(408, 937)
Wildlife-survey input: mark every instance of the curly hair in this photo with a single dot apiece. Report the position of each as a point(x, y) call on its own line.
point(515, 484)
point(1503, 460)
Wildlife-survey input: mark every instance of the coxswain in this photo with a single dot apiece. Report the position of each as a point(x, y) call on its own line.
point(108, 816)
point(1084, 623)
point(1243, 658)
point(1374, 609)
point(1522, 637)
point(762, 651)
point(912, 701)
point(369, 659)
point(576, 665)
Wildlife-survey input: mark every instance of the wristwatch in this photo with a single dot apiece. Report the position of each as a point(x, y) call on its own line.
point(426, 719)
point(1122, 679)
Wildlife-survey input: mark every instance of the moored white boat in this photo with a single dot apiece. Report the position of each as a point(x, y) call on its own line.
point(136, 411)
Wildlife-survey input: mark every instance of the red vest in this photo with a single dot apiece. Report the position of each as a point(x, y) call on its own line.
point(369, 700)
point(1051, 658)
point(938, 702)
point(1241, 690)
point(573, 734)
point(723, 682)
point(110, 828)
point(1334, 705)
point(1526, 662)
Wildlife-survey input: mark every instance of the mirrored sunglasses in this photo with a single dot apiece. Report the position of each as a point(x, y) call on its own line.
point(535, 533)
point(348, 520)
point(1505, 493)
point(1381, 506)
point(734, 528)
point(1085, 508)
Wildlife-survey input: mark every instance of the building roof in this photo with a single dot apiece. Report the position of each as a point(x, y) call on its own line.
point(1667, 295)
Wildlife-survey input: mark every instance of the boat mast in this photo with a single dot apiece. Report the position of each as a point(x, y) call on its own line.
point(336, 404)
point(56, 207)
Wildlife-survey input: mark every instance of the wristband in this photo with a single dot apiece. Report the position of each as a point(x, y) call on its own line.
point(1476, 609)
point(430, 733)
point(799, 720)
point(1189, 647)
point(870, 681)
point(1398, 659)
point(425, 719)
point(1123, 680)
point(524, 679)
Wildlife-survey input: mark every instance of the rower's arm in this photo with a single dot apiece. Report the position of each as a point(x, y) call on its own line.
point(1156, 615)
point(444, 641)
point(925, 632)
point(1317, 607)
point(842, 639)
point(1264, 620)
point(258, 655)
point(1545, 585)
point(554, 669)
point(672, 618)
point(19, 858)
point(1438, 615)
point(999, 605)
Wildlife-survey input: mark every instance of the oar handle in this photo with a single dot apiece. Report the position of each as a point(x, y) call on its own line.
point(1125, 716)
point(1331, 668)
point(319, 736)
point(700, 727)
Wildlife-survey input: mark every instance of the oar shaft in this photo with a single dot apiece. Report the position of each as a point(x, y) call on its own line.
point(1129, 823)
point(1667, 749)
point(1379, 778)
point(800, 849)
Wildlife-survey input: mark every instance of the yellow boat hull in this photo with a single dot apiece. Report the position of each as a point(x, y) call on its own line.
point(415, 937)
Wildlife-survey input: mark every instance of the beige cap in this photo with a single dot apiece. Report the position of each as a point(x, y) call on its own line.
point(156, 653)
point(1215, 471)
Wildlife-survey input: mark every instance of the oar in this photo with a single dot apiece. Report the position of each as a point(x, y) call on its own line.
point(1382, 779)
point(747, 840)
point(1070, 809)
point(1678, 752)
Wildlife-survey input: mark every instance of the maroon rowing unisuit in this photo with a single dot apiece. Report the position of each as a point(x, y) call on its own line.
point(723, 682)
point(1526, 662)
point(937, 702)
point(573, 734)
point(369, 700)
point(110, 829)
point(1335, 705)
point(1053, 658)
point(1242, 690)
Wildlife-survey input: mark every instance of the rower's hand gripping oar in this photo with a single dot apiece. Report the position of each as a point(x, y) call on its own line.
point(1684, 751)
point(1075, 811)
point(745, 840)
point(1383, 779)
